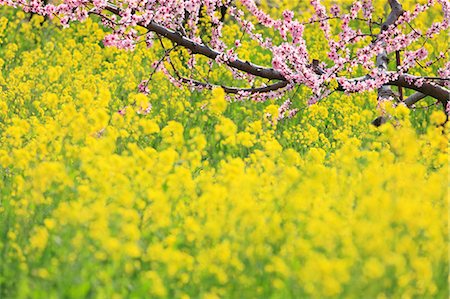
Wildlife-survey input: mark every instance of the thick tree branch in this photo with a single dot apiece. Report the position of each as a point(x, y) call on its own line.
point(398, 63)
point(235, 90)
point(396, 12)
point(408, 81)
point(440, 93)
point(382, 59)
point(414, 98)
point(196, 48)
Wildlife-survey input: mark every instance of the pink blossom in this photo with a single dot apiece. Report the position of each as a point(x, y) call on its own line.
point(289, 50)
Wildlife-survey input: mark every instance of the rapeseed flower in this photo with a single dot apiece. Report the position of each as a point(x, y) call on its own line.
point(108, 193)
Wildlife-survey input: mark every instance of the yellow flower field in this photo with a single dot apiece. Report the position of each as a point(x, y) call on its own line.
point(107, 193)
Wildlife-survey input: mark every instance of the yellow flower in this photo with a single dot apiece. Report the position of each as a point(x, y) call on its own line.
point(157, 286)
point(50, 223)
point(42, 273)
point(148, 126)
point(438, 117)
point(317, 155)
point(272, 113)
point(39, 238)
point(172, 134)
point(227, 129)
point(373, 268)
point(132, 249)
point(245, 138)
point(218, 104)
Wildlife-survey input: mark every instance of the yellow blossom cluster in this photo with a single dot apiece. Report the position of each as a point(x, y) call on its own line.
point(106, 193)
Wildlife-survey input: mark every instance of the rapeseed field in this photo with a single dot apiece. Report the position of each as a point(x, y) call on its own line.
point(109, 193)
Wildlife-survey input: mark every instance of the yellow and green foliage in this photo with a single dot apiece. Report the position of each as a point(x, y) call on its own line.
point(106, 193)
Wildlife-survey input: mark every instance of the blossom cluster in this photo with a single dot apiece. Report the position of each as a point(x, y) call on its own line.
point(353, 38)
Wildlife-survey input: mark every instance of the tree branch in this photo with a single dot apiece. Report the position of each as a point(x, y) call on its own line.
point(439, 93)
point(382, 58)
point(398, 63)
point(235, 90)
point(196, 48)
point(396, 12)
point(408, 81)
point(414, 98)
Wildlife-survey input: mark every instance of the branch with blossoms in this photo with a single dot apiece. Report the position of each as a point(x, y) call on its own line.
point(350, 51)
